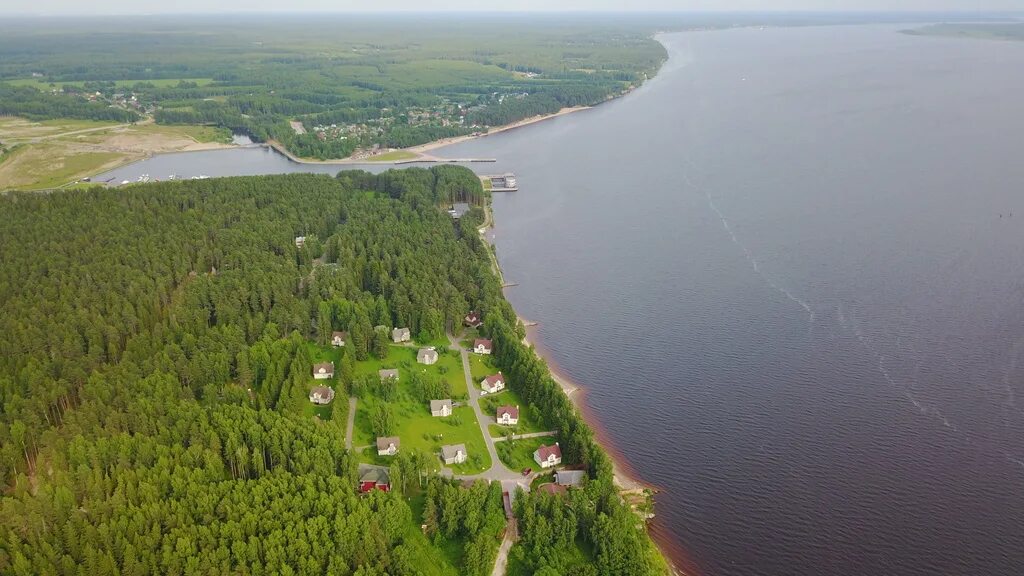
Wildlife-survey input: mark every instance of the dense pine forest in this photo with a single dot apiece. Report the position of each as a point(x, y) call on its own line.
point(155, 364)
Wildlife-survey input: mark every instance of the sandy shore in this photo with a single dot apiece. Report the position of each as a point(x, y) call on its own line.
point(420, 149)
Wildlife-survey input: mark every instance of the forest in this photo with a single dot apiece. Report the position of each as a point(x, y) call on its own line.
point(350, 82)
point(155, 353)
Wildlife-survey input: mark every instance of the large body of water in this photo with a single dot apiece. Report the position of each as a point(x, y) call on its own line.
point(789, 272)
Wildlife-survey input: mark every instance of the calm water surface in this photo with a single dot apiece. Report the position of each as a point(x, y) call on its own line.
point(789, 272)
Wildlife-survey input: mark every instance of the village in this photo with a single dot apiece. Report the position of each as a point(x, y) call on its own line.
point(481, 431)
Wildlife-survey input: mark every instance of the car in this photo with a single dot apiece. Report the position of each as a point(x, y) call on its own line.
point(483, 392)
point(527, 471)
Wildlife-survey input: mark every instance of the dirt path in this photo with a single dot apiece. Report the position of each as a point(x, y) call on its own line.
point(351, 424)
point(501, 562)
point(530, 435)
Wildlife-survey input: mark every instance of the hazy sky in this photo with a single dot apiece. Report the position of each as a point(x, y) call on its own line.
point(165, 6)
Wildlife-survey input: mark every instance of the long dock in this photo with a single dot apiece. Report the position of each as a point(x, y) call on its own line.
point(444, 160)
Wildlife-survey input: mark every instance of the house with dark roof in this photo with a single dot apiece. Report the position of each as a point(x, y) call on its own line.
point(552, 488)
point(472, 320)
point(387, 445)
point(338, 338)
point(375, 478)
point(321, 395)
point(482, 346)
point(548, 456)
point(507, 415)
point(323, 371)
point(493, 383)
point(441, 408)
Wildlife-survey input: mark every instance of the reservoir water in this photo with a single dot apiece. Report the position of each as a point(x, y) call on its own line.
point(789, 273)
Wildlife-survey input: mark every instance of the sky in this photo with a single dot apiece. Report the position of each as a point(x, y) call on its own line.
point(97, 7)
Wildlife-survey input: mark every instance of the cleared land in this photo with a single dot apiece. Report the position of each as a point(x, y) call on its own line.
point(53, 153)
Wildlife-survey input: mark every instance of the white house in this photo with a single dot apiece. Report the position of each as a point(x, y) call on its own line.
point(482, 346)
point(507, 415)
point(399, 335)
point(387, 446)
point(427, 356)
point(324, 371)
point(321, 395)
point(441, 408)
point(454, 453)
point(338, 338)
point(548, 456)
point(493, 383)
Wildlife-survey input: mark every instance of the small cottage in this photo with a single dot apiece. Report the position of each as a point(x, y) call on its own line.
point(482, 346)
point(427, 356)
point(375, 478)
point(454, 453)
point(472, 320)
point(399, 335)
point(323, 371)
point(493, 383)
point(441, 408)
point(548, 456)
point(321, 395)
point(300, 241)
point(388, 374)
point(338, 339)
point(387, 446)
point(507, 415)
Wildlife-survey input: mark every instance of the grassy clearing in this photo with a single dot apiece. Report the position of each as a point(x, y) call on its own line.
point(518, 454)
point(393, 156)
point(414, 425)
point(481, 366)
point(201, 134)
point(529, 421)
point(13, 129)
point(49, 165)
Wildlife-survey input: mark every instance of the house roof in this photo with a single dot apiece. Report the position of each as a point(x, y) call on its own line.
point(400, 332)
point(343, 335)
point(552, 488)
point(546, 451)
point(482, 342)
point(494, 379)
point(512, 411)
point(323, 368)
point(570, 477)
point(385, 442)
point(451, 450)
point(388, 373)
point(376, 475)
point(472, 317)
point(321, 391)
point(425, 353)
point(436, 405)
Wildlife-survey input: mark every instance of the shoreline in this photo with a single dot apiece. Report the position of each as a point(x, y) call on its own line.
point(421, 150)
point(624, 475)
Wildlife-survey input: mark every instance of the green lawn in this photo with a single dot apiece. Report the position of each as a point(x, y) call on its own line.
point(518, 454)
point(528, 421)
point(481, 366)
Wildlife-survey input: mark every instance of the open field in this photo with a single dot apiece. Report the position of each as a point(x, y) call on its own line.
point(53, 153)
point(518, 454)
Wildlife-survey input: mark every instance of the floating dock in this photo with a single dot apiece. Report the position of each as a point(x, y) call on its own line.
point(502, 182)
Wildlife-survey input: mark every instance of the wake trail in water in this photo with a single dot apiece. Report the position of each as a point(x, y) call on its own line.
point(746, 251)
point(905, 389)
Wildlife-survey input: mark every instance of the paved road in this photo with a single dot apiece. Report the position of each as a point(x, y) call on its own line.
point(530, 435)
point(351, 424)
point(498, 471)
